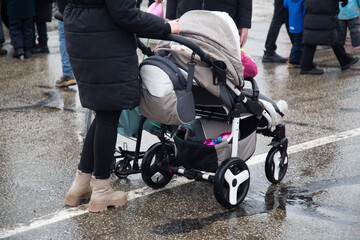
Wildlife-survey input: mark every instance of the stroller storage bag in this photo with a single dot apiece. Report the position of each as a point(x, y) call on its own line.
point(166, 95)
point(191, 152)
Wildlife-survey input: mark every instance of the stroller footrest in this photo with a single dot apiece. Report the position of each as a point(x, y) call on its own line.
point(193, 174)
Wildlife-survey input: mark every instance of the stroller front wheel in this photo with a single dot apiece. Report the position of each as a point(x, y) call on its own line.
point(276, 164)
point(154, 168)
point(231, 183)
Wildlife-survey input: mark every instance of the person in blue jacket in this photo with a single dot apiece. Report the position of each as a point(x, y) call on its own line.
point(296, 27)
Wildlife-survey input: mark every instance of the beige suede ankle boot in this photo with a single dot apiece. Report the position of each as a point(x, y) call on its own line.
point(103, 196)
point(80, 189)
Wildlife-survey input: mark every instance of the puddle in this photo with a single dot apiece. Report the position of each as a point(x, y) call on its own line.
point(281, 198)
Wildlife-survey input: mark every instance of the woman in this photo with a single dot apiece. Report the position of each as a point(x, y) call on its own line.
point(101, 43)
point(321, 27)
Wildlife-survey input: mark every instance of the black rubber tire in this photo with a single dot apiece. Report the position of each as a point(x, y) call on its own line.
point(154, 171)
point(280, 154)
point(222, 186)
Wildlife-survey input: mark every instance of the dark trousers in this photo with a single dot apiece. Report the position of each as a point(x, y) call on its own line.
point(281, 16)
point(99, 146)
point(138, 3)
point(297, 48)
point(309, 51)
point(354, 28)
point(2, 37)
point(42, 33)
point(21, 32)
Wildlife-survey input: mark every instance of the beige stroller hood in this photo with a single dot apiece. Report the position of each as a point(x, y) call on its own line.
point(217, 35)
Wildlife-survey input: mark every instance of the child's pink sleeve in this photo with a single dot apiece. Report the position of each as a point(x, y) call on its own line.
point(249, 66)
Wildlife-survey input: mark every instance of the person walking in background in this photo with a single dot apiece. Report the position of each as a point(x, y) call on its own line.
point(21, 13)
point(101, 42)
point(4, 16)
point(296, 28)
point(2, 36)
point(239, 10)
point(349, 18)
point(280, 17)
point(43, 14)
point(67, 78)
point(138, 3)
point(321, 27)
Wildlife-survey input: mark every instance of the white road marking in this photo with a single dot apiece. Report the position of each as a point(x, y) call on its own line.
point(137, 193)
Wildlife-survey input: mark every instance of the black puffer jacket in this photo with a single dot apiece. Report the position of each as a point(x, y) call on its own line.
point(321, 24)
point(101, 43)
point(239, 10)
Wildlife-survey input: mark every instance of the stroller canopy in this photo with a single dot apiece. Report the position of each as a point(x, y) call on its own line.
point(217, 35)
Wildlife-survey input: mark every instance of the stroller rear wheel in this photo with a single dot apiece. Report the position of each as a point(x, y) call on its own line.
point(276, 164)
point(231, 183)
point(154, 167)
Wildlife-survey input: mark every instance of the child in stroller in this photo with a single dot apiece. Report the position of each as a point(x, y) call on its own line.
point(199, 95)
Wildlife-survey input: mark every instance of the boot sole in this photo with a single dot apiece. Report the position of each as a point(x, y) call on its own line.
point(67, 83)
point(102, 206)
point(74, 201)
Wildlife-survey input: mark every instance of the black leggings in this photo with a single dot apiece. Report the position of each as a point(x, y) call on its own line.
point(99, 146)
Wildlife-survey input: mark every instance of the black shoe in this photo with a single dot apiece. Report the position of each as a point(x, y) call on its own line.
point(27, 52)
point(40, 49)
point(65, 81)
point(18, 53)
point(314, 71)
point(273, 57)
point(354, 60)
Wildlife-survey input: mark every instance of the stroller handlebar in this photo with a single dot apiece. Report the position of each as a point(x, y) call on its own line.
point(182, 40)
point(190, 44)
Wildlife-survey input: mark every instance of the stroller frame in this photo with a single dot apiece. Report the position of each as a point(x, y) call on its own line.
point(232, 178)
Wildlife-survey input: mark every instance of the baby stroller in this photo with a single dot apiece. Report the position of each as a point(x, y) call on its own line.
point(193, 86)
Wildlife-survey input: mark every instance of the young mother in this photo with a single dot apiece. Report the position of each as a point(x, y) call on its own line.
point(101, 43)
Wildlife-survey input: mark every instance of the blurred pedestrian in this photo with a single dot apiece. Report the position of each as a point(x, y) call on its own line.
point(101, 42)
point(67, 79)
point(43, 15)
point(4, 16)
point(21, 13)
point(296, 28)
point(239, 10)
point(138, 3)
point(280, 17)
point(349, 18)
point(2, 36)
point(321, 27)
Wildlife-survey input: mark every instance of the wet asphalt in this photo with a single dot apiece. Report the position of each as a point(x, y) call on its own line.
point(42, 129)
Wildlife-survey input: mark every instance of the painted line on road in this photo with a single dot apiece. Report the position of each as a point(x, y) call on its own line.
point(142, 192)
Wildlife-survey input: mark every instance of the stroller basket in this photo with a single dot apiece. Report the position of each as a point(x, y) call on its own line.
point(192, 153)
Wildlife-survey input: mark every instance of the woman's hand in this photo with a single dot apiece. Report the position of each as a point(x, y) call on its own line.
point(174, 25)
point(243, 32)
